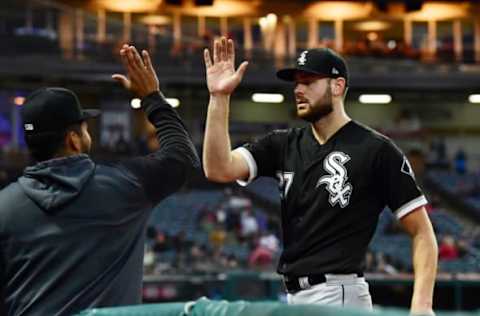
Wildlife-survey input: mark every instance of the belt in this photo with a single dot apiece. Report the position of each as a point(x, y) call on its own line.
point(295, 284)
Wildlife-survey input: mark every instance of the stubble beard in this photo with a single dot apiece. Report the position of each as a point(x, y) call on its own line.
point(319, 110)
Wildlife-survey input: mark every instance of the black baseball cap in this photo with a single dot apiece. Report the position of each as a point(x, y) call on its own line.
point(53, 109)
point(319, 61)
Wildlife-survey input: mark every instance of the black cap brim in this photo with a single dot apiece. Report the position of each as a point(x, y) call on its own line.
point(288, 74)
point(87, 114)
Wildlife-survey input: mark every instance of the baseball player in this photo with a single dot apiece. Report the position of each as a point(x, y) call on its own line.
point(71, 230)
point(335, 176)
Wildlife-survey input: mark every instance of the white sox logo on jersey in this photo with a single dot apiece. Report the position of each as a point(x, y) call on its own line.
point(336, 183)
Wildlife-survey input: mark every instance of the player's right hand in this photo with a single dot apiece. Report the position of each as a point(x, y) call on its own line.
point(222, 79)
point(141, 77)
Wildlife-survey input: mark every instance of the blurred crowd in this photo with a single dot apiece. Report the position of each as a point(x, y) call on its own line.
point(233, 235)
point(236, 234)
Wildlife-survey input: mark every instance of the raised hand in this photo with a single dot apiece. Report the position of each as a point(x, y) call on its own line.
point(141, 77)
point(221, 75)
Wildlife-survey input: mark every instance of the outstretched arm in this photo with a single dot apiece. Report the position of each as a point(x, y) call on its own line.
point(219, 162)
point(425, 254)
point(165, 170)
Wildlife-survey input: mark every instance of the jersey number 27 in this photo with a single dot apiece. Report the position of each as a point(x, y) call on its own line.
point(285, 180)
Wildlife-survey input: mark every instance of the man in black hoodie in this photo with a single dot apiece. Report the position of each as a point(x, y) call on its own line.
point(72, 231)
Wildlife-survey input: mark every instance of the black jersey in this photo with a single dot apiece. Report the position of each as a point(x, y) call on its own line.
point(332, 194)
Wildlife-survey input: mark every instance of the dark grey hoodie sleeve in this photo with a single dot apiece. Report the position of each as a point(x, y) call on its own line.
point(166, 170)
point(3, 310)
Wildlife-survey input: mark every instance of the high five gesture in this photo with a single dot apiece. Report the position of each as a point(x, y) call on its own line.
point(219, 162)
point(222, 79)
point(141, 77)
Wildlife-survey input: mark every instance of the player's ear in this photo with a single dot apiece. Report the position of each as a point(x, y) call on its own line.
point(339, 86)
point(73, 141)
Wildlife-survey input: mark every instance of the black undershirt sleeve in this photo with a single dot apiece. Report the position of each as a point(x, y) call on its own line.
point(3, 310)
point(166, 170)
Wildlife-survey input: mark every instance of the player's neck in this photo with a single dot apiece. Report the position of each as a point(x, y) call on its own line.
point(327, 126)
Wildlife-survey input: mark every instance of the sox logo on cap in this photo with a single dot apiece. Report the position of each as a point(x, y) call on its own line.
point(303, 58)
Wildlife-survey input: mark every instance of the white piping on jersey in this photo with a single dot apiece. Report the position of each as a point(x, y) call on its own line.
point(410, 206)
point(252, 165)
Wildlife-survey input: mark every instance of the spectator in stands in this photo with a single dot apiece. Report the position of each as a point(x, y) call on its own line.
point(262, 221)
point(238, 201)
point(269, 241)
point(221, 216)
point(475, 236)
point(438, 153)
point(232, 222)
point(199, 259)
point(148, 261)
point(448, 249)
point(180, 242)
point(460, 161)
point(260, 257)
point(181, 246)
point(463, 248)
point(218, 236)
point(232, 262)
point(249, 224)
point(384, 264)
point(161, 243)
point(265, 248)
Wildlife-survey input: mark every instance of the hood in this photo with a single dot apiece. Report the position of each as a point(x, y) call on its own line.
point(53, 183)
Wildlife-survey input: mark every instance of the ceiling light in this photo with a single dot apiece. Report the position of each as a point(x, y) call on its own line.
point(375, 98)
point(474, 98)
point(267, 98)
point(136, 103)
point(174, 102)
point(19, 100)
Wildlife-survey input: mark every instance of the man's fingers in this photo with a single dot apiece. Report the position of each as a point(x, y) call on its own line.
point(137, 58)
point(216, 51)
point(127, 63)
point(134, 71)
point(147, 61)
point(132, 63)
point(224, 49)
point(122, 80)
point(231, 51)
point(130, 58)
point(241, 69)
point(206, 57)
point(123, 57)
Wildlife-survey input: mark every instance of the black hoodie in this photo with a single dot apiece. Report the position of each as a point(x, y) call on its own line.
point(72, 231)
